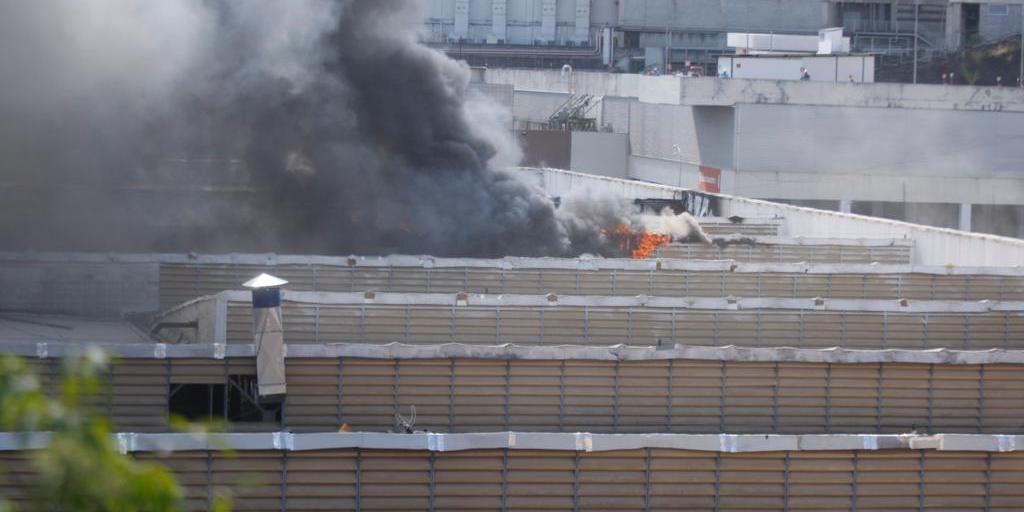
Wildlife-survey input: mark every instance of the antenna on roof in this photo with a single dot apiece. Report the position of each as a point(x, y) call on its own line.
point(406, 425)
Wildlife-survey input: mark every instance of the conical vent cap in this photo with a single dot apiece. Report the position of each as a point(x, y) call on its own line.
point(264, 281)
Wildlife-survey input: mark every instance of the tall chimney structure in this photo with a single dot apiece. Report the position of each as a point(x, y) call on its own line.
point(268, 336)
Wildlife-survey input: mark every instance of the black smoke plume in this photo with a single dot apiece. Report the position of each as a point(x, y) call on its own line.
point(304, 126)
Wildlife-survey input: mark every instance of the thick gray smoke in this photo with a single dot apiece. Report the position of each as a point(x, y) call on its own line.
point(300, 126)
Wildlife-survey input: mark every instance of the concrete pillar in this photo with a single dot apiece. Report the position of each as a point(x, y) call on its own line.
point(461, 29)
point(845, 206)
point(499, 22)
point(954, 25)
point(965, 217)
point(606, 46)
point(548, 11)
point(1020, 222)
point(582, 33)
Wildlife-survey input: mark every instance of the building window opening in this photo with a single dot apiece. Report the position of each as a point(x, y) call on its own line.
point(999, 9)
point(234, 402)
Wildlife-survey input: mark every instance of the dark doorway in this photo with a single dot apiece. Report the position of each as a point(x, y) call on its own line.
point(972, 23)
point(235, 402)
point(632, 40)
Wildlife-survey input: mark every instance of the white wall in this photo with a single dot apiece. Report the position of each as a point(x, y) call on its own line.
point(830, 68)
point(762, 68)
point(932, 246)
point(663, 170)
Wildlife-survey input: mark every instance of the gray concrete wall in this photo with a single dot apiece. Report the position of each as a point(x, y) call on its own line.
point(615, 113)
point(878, 141)
point(703, 134)
point(612, 113)
point(868, 187)
point(536, 106)
point(600, 153)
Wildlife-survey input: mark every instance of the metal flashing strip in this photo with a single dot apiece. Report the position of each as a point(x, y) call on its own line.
point(537, 353)
point(572, 441)
point(703, 303)
point(512, 263)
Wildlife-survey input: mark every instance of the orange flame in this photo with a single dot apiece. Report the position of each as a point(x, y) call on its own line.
point(639, 244)
point(648, 243)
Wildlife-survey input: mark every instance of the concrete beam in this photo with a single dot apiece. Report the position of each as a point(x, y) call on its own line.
point(399, 351)
point(671, 90)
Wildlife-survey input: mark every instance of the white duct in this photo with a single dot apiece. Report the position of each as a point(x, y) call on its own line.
point(268, 336)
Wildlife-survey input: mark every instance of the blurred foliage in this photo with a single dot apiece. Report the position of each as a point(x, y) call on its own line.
point(81, 469)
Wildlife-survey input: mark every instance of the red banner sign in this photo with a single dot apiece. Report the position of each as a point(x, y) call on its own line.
point(709, 180)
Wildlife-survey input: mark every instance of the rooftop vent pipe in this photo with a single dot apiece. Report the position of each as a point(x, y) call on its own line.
point(268, 336)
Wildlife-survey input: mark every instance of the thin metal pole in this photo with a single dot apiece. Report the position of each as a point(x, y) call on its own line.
point(1020, 79)
point(916, 5)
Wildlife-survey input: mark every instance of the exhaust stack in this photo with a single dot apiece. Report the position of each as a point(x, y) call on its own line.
point(268, 336)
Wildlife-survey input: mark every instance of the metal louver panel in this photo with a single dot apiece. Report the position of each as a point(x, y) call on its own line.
point(639, 479)
point(679, 396)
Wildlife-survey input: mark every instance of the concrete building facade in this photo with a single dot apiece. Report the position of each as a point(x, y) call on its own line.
point(632, 34)
point(939, 155)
